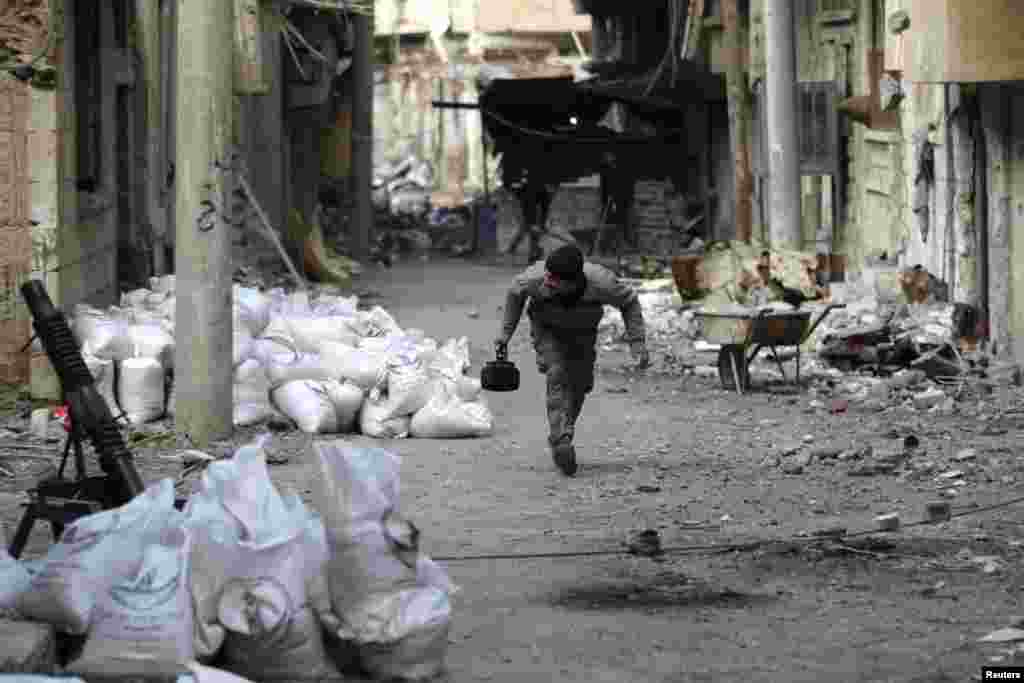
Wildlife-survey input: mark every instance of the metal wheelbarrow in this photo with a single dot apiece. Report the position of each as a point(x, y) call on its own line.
point(737, 332)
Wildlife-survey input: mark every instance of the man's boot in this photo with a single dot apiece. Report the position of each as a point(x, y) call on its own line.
point(564, 455)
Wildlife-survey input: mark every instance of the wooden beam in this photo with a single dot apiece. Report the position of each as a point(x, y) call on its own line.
point(250, 75)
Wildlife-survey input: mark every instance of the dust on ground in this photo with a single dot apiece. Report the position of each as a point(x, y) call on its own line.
point(704, 467)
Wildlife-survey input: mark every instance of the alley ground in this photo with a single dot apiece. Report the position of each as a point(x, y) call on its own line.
point(681, 455)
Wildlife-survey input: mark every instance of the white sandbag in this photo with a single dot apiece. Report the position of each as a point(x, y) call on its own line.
point(103, 375)
point(102, 334)
point(234, 515)
point(365, 370)
point(199, 673)
point(163, 284)
point(251, 395)
point(264, 600)
point(452, 359)
point(136, 298)
point(252, 308)
point(311, 331)
point(310, 366)
point(149, 339)
point(348, 401)
point(143, 622)
point(377, 420)
point(14, 576)
point(140, 390)
point(448, 417)
point(242, 344)
point(92, 552)
point(327, 305)
point(399, 624)
point(468, 388)
point(168, 308)
point(311, 404)
point(409, 388)
point(414, 644)
point(155, 300)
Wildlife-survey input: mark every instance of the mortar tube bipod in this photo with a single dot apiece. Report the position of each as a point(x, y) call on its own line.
point(88, 409)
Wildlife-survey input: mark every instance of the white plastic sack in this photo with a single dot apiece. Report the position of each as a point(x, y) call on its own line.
point(310, 366)
point(409, 389)
point(448, 417)
point(377, 420)
point(143, 621)
point(242, 344)
point(253, 309)
point(141, 389)
point(310, 332)
point(399, 624)
point(103, 375)
point(203, 674)
point(251, 394)
point(135, 298)
point(91, 554)
point(149, 339)
point(452, 359)
point(156, 300)
point(14, 576)
point(167, 309)
point(468, 388)
point(274, 349)
point(319, 407)
point(365, 370)
point(102, 334)
point(272, 631)
point(327, 305)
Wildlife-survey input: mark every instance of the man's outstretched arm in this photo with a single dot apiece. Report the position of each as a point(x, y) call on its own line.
point(515, 301)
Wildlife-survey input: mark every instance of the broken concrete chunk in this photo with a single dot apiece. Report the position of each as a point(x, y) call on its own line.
point(929, 398)
point(889, 522)
point(1004, 635)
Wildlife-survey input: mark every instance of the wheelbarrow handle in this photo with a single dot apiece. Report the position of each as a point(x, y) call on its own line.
point(824, 314)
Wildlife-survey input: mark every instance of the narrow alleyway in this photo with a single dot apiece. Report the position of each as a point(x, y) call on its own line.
point(697, 463)
point(701, 465)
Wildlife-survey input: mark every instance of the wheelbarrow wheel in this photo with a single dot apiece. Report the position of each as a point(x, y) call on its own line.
point(732, 365)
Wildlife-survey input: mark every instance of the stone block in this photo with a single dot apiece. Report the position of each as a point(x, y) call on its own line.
point(27, 648)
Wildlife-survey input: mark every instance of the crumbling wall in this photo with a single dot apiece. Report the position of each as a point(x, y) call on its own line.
point(23, 25)
point(15, 229)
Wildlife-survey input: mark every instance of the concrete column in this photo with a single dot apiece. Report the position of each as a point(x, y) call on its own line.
point(362, 136)
point(148, 13)
point(783, 139)
point(995, 119)
point(204, 334)
point(964, 230)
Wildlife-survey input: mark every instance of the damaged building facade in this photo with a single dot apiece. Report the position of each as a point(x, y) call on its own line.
point(911, 152)
point(88, 144)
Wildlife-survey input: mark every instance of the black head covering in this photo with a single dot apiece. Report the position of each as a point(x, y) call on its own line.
point(566, 262)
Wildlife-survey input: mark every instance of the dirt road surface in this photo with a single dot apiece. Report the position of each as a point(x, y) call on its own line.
point(702, 466)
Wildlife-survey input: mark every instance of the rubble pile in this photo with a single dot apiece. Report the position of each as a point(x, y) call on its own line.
point(319, 361)
point(411, 217)
point(669, 321)
point(246, 579)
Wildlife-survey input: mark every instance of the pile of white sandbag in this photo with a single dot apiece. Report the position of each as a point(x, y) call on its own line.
point(332, 368)
point(246, 578)
point(328, 366)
